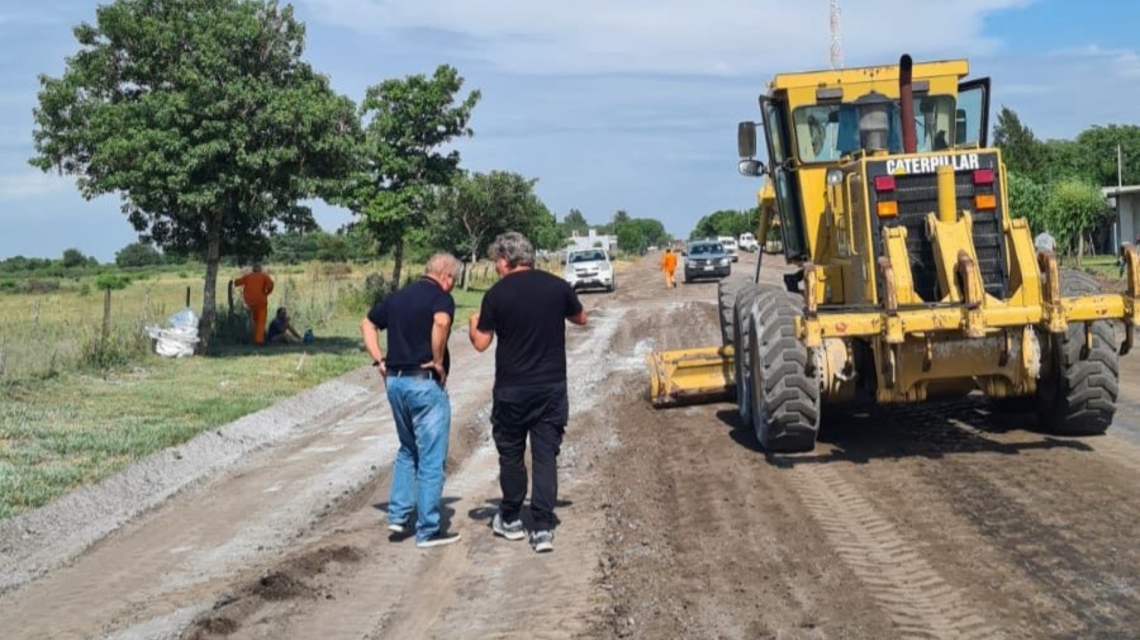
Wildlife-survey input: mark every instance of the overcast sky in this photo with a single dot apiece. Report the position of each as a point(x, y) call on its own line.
point(619, 104)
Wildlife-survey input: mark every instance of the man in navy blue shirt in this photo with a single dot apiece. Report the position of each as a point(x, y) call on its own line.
point(528, 309)
point(418, 321)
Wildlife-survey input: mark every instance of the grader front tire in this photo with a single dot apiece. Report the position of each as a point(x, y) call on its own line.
point(742, 310)
point(1078, 394)
point(785, 416)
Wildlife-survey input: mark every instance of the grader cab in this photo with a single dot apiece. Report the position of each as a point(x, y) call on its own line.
point(914, 283)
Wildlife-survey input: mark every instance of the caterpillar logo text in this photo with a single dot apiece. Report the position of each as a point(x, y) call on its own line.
point(930, 164)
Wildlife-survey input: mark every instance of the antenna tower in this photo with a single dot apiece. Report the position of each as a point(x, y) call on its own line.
point(836, 38)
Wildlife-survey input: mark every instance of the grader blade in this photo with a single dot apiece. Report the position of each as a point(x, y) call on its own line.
point(691, 376)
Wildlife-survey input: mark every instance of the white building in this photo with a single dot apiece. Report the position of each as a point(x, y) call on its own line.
point(1126, 201)
point(591, 241)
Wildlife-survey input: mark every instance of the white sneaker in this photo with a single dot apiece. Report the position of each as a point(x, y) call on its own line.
point(509, 530)
point(438, 540)
point(542, 541)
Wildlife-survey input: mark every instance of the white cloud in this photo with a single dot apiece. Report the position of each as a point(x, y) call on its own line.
point(30, 184)
point(1124, 63)
point(717, 37)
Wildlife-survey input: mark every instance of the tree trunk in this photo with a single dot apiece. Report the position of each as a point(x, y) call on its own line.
point(474, 259)
point(209, 301)
point(398, 255)
point(1080, 248)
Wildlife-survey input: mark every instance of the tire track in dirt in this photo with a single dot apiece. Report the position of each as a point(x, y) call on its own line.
point(918, 600)
point(703, 538)
point(1067, 521)
point(1019, 516)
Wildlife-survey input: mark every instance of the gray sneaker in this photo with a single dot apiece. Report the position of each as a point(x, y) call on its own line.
point(542, 541)
point(509, 530)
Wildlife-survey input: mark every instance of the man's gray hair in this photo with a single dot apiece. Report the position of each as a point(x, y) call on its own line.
point(444, 264)
point(514, 248)
point(257, 266)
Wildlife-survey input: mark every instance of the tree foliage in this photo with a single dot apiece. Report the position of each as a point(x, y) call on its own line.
point(1029, 200)
point(479, 206)
point(137, 254)
point(575, 222)
point(1076, 207)
point(1021, 150)
point(400, 166)
point(1092, 156)
point(202, 116)
point(726, 222)
point(73, 258)
point(635, 235)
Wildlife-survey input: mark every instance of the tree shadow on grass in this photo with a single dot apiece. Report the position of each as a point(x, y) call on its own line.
point(337, 345)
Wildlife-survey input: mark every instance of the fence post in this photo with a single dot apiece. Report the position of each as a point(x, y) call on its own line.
point(188, 295)
point(230, 294)
point(106, 315)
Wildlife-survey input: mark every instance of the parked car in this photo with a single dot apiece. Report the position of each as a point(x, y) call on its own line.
point(706, 259)
point(589, 269)
point(729, 244)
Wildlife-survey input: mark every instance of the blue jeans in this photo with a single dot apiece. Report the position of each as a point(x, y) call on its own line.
point(422, 412)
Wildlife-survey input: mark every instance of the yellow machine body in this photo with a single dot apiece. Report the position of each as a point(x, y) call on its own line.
point(916, 281)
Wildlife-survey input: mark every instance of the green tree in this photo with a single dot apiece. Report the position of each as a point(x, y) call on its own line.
point(1076, 207)
point(726, 222)
point(636, 234)
point(479, 206)
point(73, 258)
point(1029, 200)
point(202, 116)
point(621, 216)
point(401, 164)
point(1098, 150)
point(1021, 150)
point(575, 222)
point(137, 254)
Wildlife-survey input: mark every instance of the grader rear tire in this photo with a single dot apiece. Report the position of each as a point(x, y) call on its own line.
point(1078, 395)
point(785, 415)
point(741, 318)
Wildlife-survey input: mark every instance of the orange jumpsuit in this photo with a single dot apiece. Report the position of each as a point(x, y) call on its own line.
point(669, 265)
point(256, 287)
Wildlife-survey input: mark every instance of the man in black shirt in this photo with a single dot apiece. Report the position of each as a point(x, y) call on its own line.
point(418, 320)
point(527, 309)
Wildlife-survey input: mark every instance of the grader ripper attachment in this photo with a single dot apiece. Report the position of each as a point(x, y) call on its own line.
point(914, 282)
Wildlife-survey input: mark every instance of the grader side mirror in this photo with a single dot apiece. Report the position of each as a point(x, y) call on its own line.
point(746, 139)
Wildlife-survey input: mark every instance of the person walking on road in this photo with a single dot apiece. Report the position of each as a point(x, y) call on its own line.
point(418, 320)
point(669, 266)
point(256, 287)
point(527, 309)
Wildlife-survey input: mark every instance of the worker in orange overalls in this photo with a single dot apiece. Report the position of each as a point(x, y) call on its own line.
point(669, 265)
point(256, 287)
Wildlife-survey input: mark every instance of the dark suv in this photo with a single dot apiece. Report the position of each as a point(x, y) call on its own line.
point(706, 259)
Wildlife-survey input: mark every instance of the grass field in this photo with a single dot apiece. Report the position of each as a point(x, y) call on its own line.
point(74, 409)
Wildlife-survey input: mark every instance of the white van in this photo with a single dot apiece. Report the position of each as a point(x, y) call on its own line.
point(730, 247)
point(748, 242)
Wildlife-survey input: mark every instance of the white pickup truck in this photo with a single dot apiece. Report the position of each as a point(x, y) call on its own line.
point(588, 269)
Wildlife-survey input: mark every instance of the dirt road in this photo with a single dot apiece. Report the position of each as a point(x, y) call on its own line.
point(932, 522)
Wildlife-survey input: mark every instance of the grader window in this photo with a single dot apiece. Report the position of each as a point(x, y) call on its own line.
point(826, 132)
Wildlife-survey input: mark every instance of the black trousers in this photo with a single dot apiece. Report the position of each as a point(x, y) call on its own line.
point(540, 412)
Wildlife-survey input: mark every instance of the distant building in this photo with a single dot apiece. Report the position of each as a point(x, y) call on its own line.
point(1126, 201)
point(591, 241)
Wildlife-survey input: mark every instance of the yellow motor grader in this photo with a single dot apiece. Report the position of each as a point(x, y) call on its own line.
point(914, 282)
